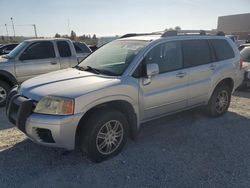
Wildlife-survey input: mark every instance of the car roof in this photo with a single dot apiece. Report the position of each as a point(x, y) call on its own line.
point(247, 44)
point(246, 47)
point(47, 39)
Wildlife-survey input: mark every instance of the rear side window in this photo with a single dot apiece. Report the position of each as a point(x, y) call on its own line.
point(63, 48)
point(196, 52)
point(81, 48)
point(78, 50)
point(222, 49)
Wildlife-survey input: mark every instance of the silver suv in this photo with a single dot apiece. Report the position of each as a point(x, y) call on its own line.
point(104, 100)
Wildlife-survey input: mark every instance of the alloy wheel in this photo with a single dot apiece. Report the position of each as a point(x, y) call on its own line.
point(3, 94)
point(221, 101)
point(109, 137)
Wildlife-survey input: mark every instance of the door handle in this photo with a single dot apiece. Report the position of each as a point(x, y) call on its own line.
point(53, 62)
point(181, 74)
point(212, 67)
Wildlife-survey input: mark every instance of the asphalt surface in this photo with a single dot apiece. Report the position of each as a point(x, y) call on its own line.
point(183, 150)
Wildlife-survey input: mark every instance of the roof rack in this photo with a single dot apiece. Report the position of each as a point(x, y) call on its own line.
point(140, 34)
point(177, 33)
point(192, 32)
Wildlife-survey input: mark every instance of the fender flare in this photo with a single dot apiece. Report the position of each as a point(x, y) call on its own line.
point(135, 115)
point(6, 76)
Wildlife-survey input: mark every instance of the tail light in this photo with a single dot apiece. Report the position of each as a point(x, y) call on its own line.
point(241, 64)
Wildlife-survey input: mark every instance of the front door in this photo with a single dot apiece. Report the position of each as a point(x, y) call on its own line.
point(167, 91)
point(38, 58)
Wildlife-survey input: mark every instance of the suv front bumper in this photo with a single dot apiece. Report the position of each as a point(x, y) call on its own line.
point(48, 130)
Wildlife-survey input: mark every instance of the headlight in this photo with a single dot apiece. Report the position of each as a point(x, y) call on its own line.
point(55, 106)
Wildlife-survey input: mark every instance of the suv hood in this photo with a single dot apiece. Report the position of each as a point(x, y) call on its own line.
point(65, 83)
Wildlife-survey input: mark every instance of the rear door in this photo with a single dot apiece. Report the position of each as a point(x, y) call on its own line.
point(38, 58)
point(198, 59)
point(66, 56)
point(167, 91)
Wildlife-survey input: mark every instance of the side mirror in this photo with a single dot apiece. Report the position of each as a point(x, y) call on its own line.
point(23, 56)
point(151, 70)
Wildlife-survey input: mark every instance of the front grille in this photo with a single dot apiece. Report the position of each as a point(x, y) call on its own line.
point(45, 135)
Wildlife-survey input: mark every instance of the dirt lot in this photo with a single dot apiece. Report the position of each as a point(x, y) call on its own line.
point(184, 150)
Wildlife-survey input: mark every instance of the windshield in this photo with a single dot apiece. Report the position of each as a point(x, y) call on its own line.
point(17, 50)
point(245, 54)
point(113, 58)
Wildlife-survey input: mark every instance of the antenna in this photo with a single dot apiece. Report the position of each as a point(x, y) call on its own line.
point(34, 25)
point(68, 27)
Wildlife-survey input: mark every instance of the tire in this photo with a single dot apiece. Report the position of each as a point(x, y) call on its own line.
point(4, 91)
point(104, 135)
point(219, 101)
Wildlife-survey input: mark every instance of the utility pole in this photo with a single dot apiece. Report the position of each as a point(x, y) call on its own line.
point(13, 27)
point(7, 31)
point(34, 25)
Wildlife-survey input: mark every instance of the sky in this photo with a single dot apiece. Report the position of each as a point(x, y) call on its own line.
point(113, 17)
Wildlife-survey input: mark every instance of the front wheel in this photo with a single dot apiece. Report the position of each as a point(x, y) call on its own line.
point(4, 91)
point(105, 134)
point(219, 101)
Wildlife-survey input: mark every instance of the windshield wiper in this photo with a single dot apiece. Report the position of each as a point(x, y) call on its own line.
point(88, 68)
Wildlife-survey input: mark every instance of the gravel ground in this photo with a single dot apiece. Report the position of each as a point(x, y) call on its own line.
point(183, 150)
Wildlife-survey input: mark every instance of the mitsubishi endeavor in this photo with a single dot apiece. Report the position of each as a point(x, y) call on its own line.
point(101, 102)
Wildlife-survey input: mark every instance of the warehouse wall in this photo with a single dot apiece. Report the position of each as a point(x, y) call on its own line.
point(233, 24)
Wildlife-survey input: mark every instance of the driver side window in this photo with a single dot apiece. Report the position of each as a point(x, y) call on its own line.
point(168, 56)
point(39, 50)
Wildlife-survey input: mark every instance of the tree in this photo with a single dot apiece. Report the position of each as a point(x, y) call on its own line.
point(57, 35)
point(65, 36)
point(177, 28)
point(94, 36)
point(168, 29)
point(73, 35)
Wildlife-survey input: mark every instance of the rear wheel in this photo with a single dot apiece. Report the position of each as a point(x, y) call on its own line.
point(105, 134)
point(4, 91)
point(219, 101)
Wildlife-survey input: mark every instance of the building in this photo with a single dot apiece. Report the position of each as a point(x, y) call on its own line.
point(238, 24)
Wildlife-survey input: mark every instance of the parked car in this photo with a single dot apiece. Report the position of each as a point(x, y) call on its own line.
point(104, 100)
point(82, 50)
point(248, 38)
point(32, 58)
point(235, 39)
point(245, 56)
point(5, 49)
point(241, 47)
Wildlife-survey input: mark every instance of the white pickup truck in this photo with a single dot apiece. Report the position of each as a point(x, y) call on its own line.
point(35, 57)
